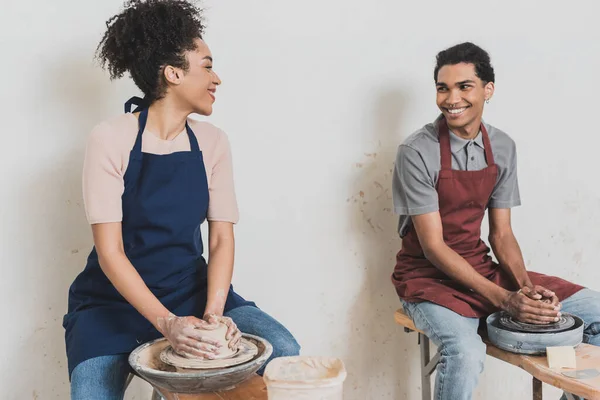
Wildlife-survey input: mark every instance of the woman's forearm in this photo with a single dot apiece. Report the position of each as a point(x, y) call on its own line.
point(220, 269)
point(129, 284)
point(123, 275)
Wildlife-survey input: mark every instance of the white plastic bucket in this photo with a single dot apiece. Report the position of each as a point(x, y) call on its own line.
point(305, 378)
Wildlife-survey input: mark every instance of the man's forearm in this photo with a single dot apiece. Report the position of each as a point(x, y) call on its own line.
point(457, 268)
point(507, 251)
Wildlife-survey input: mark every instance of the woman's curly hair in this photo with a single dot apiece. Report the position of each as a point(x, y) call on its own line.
point(147, 36)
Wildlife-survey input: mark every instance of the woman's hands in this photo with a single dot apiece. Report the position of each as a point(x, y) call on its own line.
point(233, 332)
point(187, 336)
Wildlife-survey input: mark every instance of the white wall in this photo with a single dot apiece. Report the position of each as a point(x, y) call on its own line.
point(316, 97)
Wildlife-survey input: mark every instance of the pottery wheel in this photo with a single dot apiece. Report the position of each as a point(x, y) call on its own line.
point(246, 352)
point(565, 322)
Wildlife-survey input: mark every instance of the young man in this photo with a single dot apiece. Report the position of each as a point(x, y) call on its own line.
point(447, 174)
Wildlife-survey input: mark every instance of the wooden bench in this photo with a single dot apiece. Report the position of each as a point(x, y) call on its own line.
point(588, 357)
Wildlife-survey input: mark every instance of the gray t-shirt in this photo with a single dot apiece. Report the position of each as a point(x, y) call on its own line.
point(418, 165)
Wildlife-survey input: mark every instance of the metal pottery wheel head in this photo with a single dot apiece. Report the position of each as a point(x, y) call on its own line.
point(535, 343)
point(565, 322)
point(146, 363)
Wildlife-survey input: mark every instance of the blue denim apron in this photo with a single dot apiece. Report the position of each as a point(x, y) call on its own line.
point(165, 200)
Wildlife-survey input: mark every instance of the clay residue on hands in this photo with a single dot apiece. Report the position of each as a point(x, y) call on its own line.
point(217, 335)
point(190, 336)
point(233, 335)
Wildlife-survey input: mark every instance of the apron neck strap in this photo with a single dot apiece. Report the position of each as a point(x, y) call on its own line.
point(489, 155)
point(142, 119)
point(194, 147)
point(446, 151)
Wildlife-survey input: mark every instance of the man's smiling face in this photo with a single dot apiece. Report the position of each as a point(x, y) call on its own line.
point(461, 95)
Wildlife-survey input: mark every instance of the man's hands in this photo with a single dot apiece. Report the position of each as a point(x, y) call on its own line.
point(533, 305)
point(541, 293)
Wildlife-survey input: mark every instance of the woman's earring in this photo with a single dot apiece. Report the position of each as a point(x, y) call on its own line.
point(487, 101)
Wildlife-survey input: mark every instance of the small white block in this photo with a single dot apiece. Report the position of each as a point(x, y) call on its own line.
point(561, 357)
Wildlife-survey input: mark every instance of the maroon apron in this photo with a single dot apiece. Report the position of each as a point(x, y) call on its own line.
point(463, 199)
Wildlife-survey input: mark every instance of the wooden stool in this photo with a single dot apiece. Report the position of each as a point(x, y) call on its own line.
point(588, 357)
point(252, 389)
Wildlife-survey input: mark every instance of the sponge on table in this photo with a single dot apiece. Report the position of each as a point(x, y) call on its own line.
point(561, 357)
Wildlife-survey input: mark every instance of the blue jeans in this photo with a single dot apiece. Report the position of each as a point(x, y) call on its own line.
point(104, 378)
point(463, 352)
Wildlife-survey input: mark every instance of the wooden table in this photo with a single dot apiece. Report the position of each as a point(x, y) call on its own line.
point(252, 389)
point(588, 357)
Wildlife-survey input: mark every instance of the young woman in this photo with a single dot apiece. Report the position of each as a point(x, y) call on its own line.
point(150, 179)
